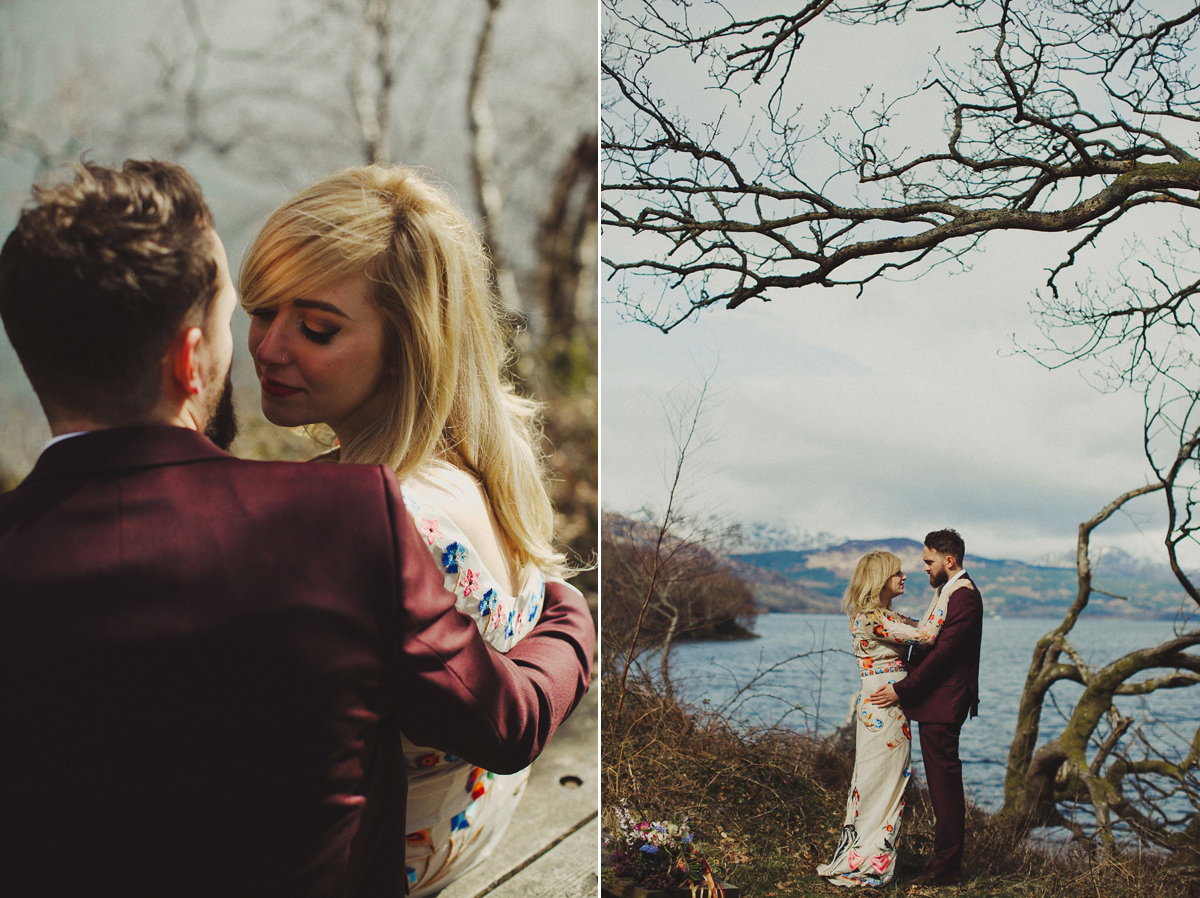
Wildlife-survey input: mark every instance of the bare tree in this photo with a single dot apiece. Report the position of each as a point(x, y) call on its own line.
point(660, 588)
point(1070, 117)
point(1088, 762)
point(301, 87)
point(650, 569)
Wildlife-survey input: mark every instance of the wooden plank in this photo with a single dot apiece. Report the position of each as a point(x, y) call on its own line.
point(568, 871)
point(560, 806)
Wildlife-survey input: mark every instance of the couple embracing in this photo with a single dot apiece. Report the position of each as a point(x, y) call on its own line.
point(926, 671)
point(241, 678)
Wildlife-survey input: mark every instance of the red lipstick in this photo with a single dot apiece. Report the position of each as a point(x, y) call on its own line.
point(278, 391)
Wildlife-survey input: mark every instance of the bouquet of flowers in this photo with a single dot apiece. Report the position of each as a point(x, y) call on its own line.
point(657, 855)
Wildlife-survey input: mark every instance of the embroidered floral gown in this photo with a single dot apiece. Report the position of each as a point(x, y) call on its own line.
point(457, 811)
point(866, 853)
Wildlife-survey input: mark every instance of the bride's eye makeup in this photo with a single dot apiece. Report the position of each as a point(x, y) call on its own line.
point(317, 335)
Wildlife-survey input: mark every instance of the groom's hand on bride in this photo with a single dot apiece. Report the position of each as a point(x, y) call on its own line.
point(884, 696)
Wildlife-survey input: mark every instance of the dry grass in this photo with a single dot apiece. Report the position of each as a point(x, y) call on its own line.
point(767, 807)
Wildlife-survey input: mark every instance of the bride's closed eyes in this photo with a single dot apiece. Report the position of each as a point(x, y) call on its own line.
point(315, 334)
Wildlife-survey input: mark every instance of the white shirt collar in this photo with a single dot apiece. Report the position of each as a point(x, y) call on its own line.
point(63, 436)
point(946, 585)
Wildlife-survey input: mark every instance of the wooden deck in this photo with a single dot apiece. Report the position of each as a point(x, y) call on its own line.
point(552, 847)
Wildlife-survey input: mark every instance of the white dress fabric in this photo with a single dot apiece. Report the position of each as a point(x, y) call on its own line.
point(457, 812)
point(866, 852)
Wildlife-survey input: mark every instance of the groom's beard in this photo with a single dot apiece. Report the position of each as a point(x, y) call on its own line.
point(222, 426)
point(938, 580)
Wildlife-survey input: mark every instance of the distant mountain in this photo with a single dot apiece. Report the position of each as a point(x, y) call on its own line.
point(762, 536)
point(813, 580)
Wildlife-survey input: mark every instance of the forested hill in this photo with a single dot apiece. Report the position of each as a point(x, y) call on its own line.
point(813, 580)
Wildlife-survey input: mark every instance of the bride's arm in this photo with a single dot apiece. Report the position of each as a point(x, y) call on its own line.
point(460, 695)
point(896, 628)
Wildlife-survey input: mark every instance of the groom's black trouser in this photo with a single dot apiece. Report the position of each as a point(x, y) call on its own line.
point(943, 773)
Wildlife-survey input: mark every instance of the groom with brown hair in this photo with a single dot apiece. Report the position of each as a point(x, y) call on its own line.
point(940, 691)
point(206, 662)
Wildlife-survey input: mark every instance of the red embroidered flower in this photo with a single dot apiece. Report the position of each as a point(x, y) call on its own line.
point(477, 783)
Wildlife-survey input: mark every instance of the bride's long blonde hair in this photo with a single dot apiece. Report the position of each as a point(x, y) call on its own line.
point(443, 328)
point(873, 570)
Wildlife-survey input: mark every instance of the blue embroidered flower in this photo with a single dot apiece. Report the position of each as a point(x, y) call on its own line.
point(508, 629)
point(459, 821)
point(454, 555)
point(533, 610)
point(487, 603)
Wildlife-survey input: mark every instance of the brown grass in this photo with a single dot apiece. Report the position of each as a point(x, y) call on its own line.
point(767, 807)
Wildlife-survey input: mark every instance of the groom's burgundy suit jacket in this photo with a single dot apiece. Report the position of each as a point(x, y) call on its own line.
point(202, 660)
point(942, 685)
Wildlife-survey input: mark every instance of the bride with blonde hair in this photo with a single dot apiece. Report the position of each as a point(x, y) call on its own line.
point(866, 852)
point(373, 317)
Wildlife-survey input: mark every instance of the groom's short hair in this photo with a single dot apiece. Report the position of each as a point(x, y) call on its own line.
point(947, 542)
point(97, 279)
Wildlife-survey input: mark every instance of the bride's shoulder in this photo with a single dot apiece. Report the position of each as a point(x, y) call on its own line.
point(459, 496)
point(454, 491)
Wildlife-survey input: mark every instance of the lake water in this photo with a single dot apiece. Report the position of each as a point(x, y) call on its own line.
point(801, 674)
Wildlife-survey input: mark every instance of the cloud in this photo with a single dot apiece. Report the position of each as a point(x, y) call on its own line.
point(888, 415)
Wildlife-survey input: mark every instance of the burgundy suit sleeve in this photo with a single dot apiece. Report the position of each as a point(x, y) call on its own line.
point(460, 695)
point(939, 661)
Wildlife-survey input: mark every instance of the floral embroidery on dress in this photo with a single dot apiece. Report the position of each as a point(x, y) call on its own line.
point(460, 810)
point(487, 603)
point(431, 529)
point(429, 759)
point(420, 837)
point(477, 782)
point(454, 555)
point(502, 618)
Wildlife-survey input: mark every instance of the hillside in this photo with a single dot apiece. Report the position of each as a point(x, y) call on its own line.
point(813, 579)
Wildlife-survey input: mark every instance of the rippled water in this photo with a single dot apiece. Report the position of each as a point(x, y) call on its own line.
point(801, 674)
